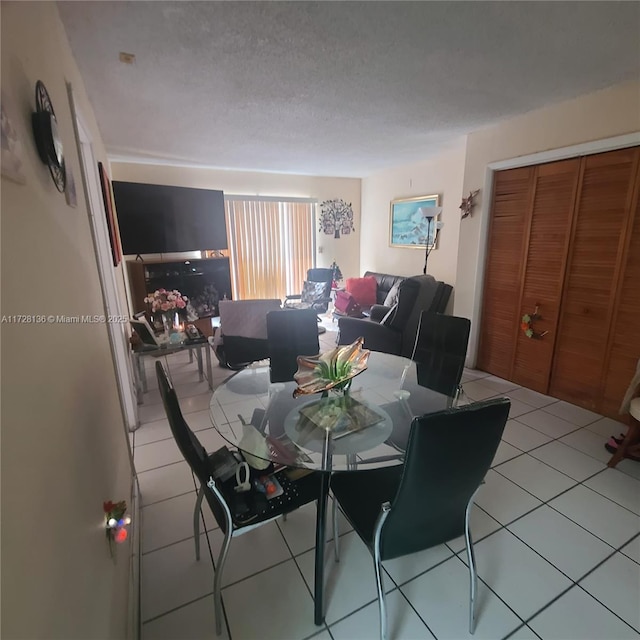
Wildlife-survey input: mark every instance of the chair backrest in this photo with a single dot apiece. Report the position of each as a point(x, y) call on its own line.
point(320, 274)
point(441, 350)
point(448, 455)
point(190, 447)
point(290, 333)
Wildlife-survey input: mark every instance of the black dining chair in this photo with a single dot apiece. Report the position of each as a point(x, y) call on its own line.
point(290, 333)
point(440, 351)
point(227, 506)
point(427, 501)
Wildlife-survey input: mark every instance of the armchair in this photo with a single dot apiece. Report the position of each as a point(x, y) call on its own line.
point(316, 292)
point(394, 329)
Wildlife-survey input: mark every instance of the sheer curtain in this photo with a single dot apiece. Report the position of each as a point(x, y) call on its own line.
point(271, 242)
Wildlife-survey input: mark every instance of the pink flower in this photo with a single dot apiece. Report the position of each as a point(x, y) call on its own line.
point(180, 304)
point(164, 306)
point(161, 291)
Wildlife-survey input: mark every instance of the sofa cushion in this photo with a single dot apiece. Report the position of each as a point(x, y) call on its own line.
point(385, 283)
point(392, 297)
point(363, 290)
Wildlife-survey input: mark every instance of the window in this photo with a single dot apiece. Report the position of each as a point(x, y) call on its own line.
point(271, 242)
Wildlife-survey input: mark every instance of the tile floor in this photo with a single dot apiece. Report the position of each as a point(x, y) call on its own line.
point(557, 540)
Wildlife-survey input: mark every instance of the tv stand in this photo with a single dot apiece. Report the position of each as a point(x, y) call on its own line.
point(205, 281)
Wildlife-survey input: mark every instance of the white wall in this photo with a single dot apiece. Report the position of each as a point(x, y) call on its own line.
point(604, 114)
point(64, 447)
point(345, 250)
point(441, 174)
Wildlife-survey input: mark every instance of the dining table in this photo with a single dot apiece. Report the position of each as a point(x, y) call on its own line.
point(365, 428)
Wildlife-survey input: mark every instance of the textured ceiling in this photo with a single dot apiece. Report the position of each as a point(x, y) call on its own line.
point(334, 88)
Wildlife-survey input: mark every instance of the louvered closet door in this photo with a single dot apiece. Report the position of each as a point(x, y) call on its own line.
point(548, 244)
point(593, 270)
point(512, 190)
point(624, 340)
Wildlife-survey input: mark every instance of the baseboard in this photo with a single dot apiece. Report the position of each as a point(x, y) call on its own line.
point(134, 619)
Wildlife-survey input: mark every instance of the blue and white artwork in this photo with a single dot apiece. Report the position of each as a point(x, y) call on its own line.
point(411, 225)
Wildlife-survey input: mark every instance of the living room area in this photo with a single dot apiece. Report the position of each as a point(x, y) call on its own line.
point(557, 532)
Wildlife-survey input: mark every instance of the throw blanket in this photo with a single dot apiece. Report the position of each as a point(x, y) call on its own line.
point(631, 391)
point(244, 318)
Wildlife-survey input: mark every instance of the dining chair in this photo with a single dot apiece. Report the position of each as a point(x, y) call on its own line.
point(224, 502)
point(427, 501)
point(440, 351)
point(290, 333)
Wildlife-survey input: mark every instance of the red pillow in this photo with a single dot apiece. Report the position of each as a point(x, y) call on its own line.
point(363, 290)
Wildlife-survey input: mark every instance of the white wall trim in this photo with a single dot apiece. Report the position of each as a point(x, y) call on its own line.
point(550, 155)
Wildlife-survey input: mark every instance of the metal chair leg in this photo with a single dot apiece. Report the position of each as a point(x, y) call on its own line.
point(336, 537)
point(473, 576)
point(377, 565)
point(217, 582)
point(196, 521)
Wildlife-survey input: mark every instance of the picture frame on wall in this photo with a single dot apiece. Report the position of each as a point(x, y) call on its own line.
point(411, 223)
point(107, 198)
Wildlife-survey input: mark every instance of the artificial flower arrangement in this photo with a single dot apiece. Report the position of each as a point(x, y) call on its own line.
point(162, 301)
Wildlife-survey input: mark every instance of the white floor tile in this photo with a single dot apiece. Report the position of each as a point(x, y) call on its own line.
point(523, 437)
point(503, 500)
point(547, 423)
point(629, 467)
point(536, 477)
point(524, 633)
point(287, 613)
point(570, 461)
point(402, 622)
point(441, 598)
point(195, 403)
point(195, 621)
point(251, 552)
point(617, 585)
point(152, 432)
point(598, 514)
point(572, 413)
point(171, 577)
point(562, 542)
point(577, 616)
point(211, 439)
point(407, 567)
point(151, 412)
point(533, 398)
point(632, 550)
point(165, 482)
point(477, 391)
point(619, 487)
point(199, 420)
point(500, 385)
point(482, 524)
point(350, 583)
point(189, 389)
point(156, 454)
point(606, 427)
point(518, 408)
point(505, 452)
point(474, 374)
point(517, 574)
point(589, 443)
point(170, 521)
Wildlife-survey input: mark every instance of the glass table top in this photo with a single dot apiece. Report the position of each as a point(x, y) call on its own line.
point(368, 428)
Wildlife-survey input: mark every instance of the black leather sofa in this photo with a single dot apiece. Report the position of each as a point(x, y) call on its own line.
point(394, 329)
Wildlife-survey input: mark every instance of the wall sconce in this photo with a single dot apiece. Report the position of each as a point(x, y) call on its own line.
point(116, 521)
point(430, 214)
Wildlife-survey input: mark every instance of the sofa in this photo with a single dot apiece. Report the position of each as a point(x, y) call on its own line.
point(394, 329)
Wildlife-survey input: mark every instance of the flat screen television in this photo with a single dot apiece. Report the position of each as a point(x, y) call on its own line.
point(157, 218)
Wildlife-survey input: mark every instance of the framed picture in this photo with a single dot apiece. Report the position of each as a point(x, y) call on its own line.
point(411, 224)
point(107, 197)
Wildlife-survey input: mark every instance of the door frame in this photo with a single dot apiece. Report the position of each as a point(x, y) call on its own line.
point(562, 153)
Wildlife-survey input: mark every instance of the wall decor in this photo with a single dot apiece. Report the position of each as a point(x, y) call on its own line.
point(70, 190)
point(467, 204)
point(410, 222)
point(45, 133)
point(11, 159)
point(336, 217)
point(107, 198)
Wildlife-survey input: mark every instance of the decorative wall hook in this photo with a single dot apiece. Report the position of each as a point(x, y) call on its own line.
point(116, 521)
point(467, 204)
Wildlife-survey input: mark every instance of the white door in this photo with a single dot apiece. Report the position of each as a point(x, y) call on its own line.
point(117, 332)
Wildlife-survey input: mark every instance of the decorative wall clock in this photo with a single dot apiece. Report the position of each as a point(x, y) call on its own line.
point(45, 132)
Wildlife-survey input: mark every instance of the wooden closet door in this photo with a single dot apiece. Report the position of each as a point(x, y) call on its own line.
point(593, 269)
point(555, 186)
point(624, 338)
point(511, 203)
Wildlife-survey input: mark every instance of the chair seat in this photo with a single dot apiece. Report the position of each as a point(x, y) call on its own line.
point(361, 494)
point(252, 507)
